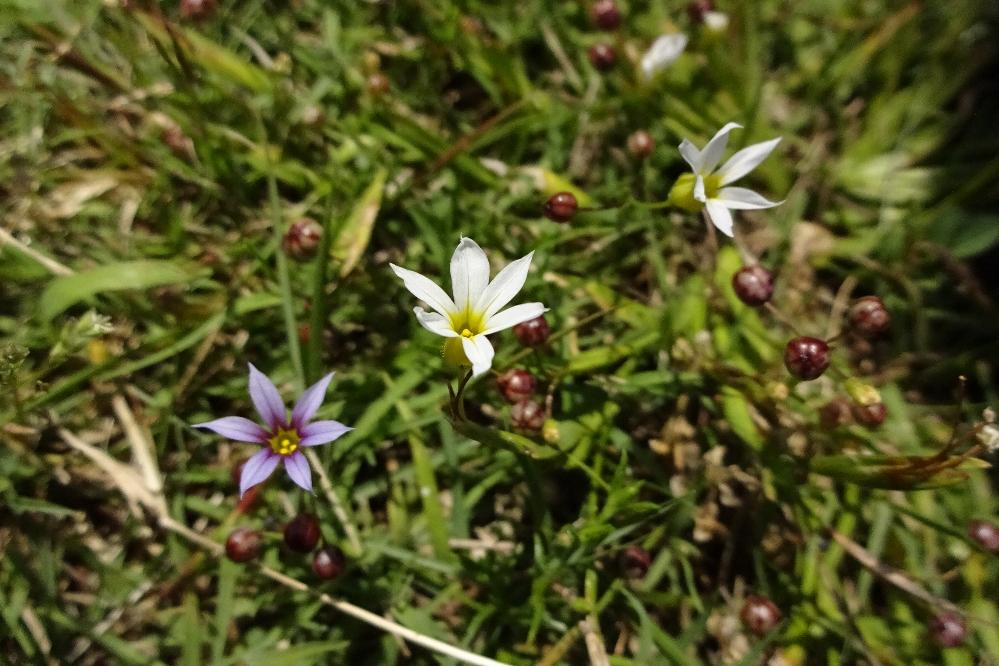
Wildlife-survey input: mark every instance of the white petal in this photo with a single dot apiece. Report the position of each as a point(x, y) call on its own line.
point(699, 192)
point(507, 284)
point(663, 53)
point(425, 290)
point(480, 353)
point(746, 160)
point(712, 153)
point(435, 323)
point(691, 155)
point(513, 316)
point(739, 198)
point(720, 217)
point(469, 273)
point(716, 21)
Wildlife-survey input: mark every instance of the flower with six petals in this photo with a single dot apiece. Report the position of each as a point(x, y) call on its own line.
point(711, 189)
point(475, 312)
point(281, 438)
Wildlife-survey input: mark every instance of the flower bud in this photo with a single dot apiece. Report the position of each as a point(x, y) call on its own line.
point(378, 84)
point(641, 144)
point(870, 415)
point(606, 15)
point(759, 615)
point(835, 413)
point(602, 57)
point(302, 239)
point(561, 207)
point(329, 563)
point(948, 629)
point(869, 317)
point(698, 9)
point(516, 385)
point(197, 10)
point(528, 415)
point(985, 535)
point(635, 562)
point(243, 544)
point(754, 285)
point(806, 358)
point(301, 534)
point(533, 332)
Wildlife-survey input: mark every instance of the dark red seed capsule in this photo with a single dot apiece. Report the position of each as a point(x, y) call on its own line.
point(754, 285)
point(606, 15)
point(835, 413)
point(197, 10)
point(635, 561)
point(516, 385)
point(602, 56)
point(759, 615)
point(378, 84)
point(869, 317)
point(533, 332)
point(948, 629)
point(870, 415)
point(329, 563)
point(243, 544)
point(641, 144)
point(561, 207)
point(302, 239)
point(698, 9)
point(528, 415)
point(985, 535)
point(301, 534)
point(806, 358)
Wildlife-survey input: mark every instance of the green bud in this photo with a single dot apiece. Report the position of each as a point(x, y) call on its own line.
point(682, 194)
point(862, 394)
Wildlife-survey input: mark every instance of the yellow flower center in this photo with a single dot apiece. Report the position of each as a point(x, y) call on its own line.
point(284, 442)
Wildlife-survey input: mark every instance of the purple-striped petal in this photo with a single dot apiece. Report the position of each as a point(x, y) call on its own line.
point(236, 428)
point(256, 470)
point(321, 432)
point(298, 469)
point(266, 399)
point(310, 402)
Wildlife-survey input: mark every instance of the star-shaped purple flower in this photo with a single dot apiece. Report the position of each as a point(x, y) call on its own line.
point(281, 438)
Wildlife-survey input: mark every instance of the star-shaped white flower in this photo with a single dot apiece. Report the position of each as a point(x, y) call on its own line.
point(663, 53)
point(475, 311)
point(711, 184)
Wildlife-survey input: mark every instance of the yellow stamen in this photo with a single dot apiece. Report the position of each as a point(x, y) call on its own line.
point(284, 442)
point(466, 333)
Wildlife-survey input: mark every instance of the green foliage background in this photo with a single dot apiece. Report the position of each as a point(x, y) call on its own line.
point(149, 167)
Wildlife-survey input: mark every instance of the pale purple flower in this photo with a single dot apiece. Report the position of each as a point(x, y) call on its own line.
point(281, 439)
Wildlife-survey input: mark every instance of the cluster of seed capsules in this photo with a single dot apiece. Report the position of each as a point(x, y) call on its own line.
point(301, 535)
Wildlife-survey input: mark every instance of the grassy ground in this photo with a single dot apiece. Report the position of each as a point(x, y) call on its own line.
point(150, 165)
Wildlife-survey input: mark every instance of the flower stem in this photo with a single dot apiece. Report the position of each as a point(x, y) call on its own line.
point(319, 306)
point(284, 282)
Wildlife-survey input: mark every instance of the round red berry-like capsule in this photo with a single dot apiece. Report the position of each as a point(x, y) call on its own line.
point(516, 385)
point(641, 144)
point(759, 615)
point(533, 332)
point(329, 562)
point(243, 544)
point(602, 56)
point(301, 241)
point(698, 9)
point(197, 10)
point(301, 534)
point(806, 358)
point(948, 629)
point(985, 535)
point(527, 415)
point(869, 317)
point(378, 84)
point(754, 285)
point(635, 561)
point(835, 413)
point(870, 415)
point(561, 207)
point(606, 14)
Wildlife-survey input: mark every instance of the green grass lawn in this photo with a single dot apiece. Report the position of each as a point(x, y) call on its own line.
point(189, 187)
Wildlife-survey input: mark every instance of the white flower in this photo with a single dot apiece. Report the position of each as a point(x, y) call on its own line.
point(989, 437)
point(663, 53)
point(710, 186)
point(716, 21)
point(475, 311)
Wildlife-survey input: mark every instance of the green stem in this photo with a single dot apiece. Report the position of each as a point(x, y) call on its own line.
point(284, 281)
point(319, 306)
